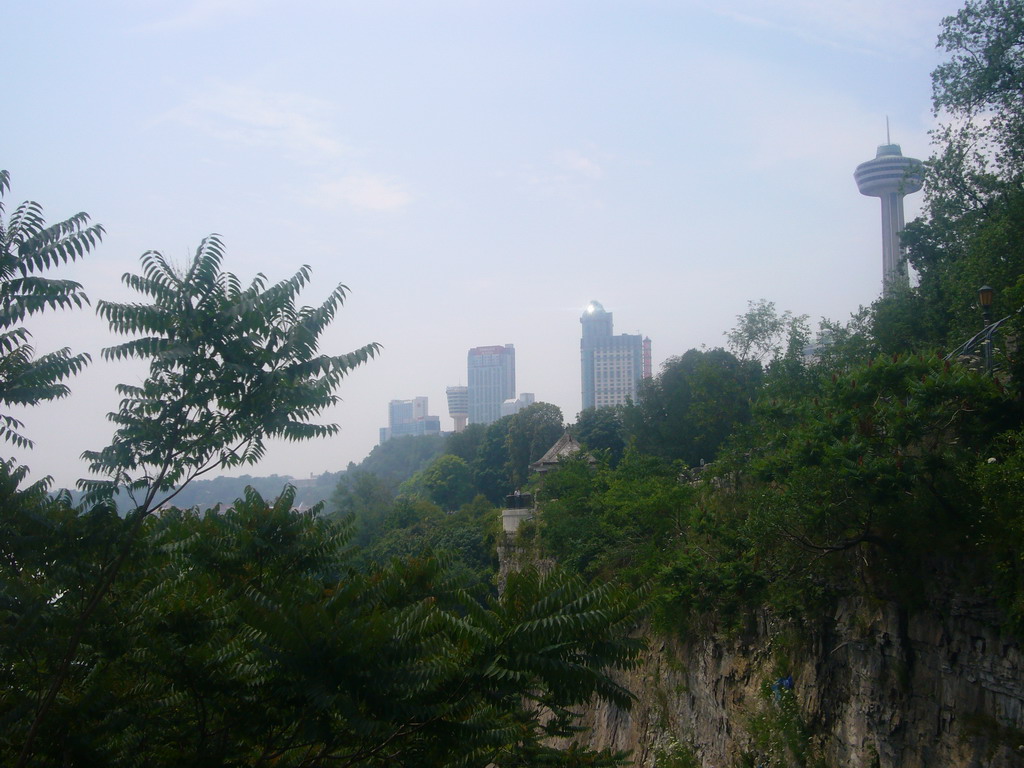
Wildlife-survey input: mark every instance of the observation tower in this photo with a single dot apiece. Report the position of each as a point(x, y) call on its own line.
point(890, 176)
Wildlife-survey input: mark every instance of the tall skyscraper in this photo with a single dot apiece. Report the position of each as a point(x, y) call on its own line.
point(611, 366)
point(491, 381)
point(890, 176)
point(458, 406)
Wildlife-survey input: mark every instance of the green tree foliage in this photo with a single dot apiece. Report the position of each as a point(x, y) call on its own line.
point(956, 256)
point(447, 482)
point(466, 443)
point(764, 335)
point(367, 491)
point(839, 344)
point(689, 409)
point(971, 229)
point(880, 445)
point(490, 464)
point(366, 499)
point(978, 91)
point(510, 445)
point(51, 619)
point(867, 480)
point(1000, 485)
point(570, 528)
point(438, 512)
point(398, 459)
point(229, 367)
point(901, 323)
point(531, 432)
point(244, 638)
point(861, 488)
point(223, 489)
point(614, 521)
point(410, 510)
point(465, 539)
point(434, 512)
point(897, 323)
point(778, 343)
point(601, 431)
point(28, 247)
point(248, 636)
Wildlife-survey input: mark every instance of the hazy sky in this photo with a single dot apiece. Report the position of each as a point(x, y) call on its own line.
point(474, 171)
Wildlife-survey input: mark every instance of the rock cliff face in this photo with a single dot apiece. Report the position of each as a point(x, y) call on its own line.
point(872, 686)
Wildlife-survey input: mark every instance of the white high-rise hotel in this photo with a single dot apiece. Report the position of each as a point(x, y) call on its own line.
point(611, 366)
point(890, 176)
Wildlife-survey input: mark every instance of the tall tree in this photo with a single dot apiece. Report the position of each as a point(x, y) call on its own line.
point(490, 464)
point(531, 432)
point(229, 367)
point(763, 334)
point(367, 499)
point(971, 230)
point(448, 482)
point(978, 91)
point(28, 247)
point(466, 443)
point(510, 444)
point(601, 429)
point(398, 459)
point(688, 410)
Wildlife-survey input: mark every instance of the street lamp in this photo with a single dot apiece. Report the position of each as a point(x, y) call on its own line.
point(985, 294)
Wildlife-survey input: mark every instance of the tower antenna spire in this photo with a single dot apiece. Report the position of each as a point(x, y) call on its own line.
point(887, 139)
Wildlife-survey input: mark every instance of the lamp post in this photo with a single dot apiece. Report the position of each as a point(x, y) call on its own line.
point(985, 294)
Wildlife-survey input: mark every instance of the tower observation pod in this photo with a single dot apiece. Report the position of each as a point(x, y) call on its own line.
point(890, 176)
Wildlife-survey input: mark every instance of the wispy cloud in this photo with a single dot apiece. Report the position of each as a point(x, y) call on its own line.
point(566, 174)
point(362, 192)
point(577, 163)
point(867, 26)
point(300, 128)
point(202, 13)
point(246, 116)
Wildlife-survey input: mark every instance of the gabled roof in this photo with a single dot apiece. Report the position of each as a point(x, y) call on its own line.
point(565, 446)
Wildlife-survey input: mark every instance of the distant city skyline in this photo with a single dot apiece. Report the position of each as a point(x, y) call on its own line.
point(473, 172)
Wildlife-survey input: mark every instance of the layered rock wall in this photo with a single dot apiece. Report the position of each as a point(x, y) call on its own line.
point(871, 687)
point(874, 685)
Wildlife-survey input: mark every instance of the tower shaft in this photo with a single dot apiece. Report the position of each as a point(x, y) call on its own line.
point(894, 267)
